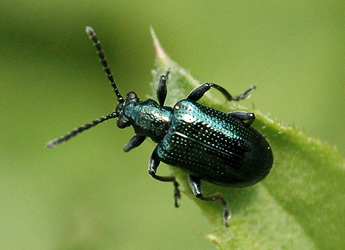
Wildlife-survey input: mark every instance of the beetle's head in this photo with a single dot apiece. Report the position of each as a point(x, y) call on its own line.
point(125, 121)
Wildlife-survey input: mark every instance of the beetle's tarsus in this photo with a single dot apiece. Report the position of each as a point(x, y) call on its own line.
point(226, 211)
point(244, 95)
point(177, 194)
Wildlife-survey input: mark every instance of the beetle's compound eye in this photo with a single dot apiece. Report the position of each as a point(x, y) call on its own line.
point(121, 123)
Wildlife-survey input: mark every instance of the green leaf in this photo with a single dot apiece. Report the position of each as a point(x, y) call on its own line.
point(300, 205)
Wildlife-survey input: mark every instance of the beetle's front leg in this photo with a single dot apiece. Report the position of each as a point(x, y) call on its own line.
point(153, 165)
point(243, 116)
point(134, 142)
point(194, 183)
point(162, 88)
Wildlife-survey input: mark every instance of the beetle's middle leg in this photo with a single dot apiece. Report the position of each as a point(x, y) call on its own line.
point(153, 165)
point(199, 92)
point(194, 183)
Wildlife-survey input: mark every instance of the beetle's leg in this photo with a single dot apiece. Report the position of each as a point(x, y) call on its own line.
point(162, 88)
point(134, 142)
point(243, 116)
point(199, 91)
point(244, 95)
point(153, 165)
point(194, 183)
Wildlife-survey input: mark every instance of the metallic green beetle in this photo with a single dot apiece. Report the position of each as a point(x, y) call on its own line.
point(208, 144)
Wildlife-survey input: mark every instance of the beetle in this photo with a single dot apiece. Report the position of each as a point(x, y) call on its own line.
point(220, 148)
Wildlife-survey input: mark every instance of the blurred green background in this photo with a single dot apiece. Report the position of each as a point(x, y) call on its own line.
point(88, 193)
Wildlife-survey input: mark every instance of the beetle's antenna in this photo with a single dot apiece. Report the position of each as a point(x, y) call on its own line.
point(82, 128)
point(104, 62)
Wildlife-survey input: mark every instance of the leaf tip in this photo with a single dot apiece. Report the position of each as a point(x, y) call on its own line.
point(160, 53)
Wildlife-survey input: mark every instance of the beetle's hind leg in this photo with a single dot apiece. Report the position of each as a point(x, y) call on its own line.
point(243, 116)
point(153, 165)
point(194, 183)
